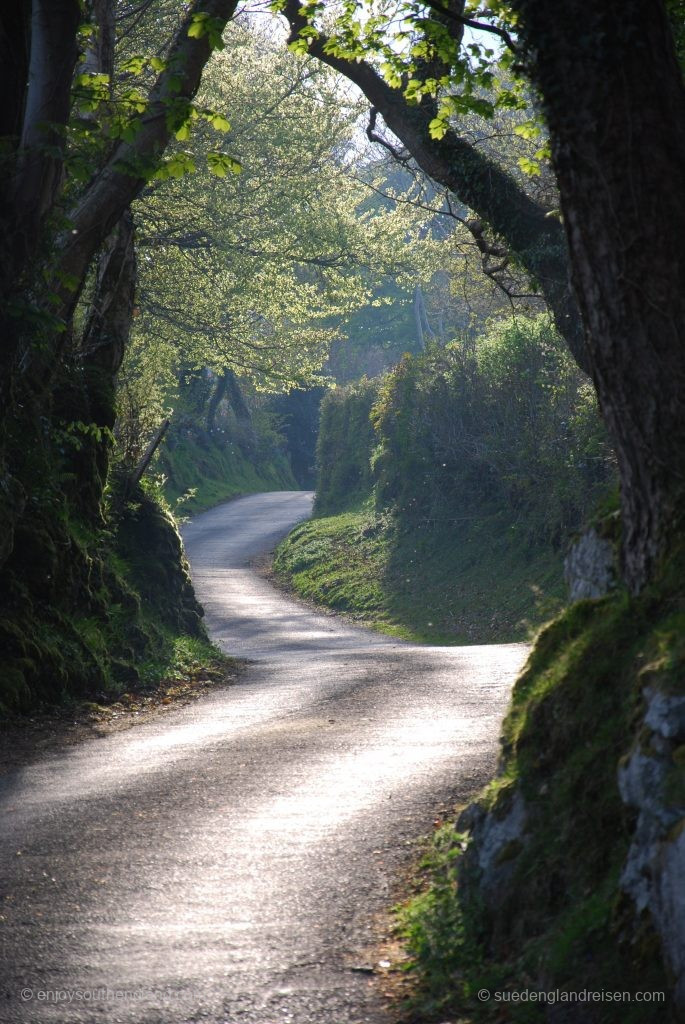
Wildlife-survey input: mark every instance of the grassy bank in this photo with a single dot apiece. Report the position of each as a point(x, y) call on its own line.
point(202, 473)
point(448, 488)
point(544, 909)
point(476, 582)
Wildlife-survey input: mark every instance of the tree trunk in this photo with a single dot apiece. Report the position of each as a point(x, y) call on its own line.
point(37, 55)
point(39, 108)
point(99, 57)
point(214, 402)
point(247, 438)
point(614, 101)
point(87, 392)
point(423, 327)
point(139, 471)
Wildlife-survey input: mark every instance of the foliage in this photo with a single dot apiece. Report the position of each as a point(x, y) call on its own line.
point(512, 425)
point(262, 271)
point(346, 438)
point(480, 460)
point(259, 270)
point(422, 50)
point(200, 470)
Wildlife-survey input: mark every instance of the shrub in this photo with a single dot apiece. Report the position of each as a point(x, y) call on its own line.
point(346, 439)
point(512, 426)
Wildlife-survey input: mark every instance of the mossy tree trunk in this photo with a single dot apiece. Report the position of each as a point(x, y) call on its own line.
point(88, 394)
point(43, 272)
point(614, 101)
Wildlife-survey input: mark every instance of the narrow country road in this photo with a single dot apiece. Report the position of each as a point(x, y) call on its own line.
point(224, 861)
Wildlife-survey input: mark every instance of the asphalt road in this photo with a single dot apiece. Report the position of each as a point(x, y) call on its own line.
point(226, 861)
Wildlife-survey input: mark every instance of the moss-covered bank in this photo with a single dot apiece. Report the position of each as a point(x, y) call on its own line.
point(93, 608)
point(556, 877)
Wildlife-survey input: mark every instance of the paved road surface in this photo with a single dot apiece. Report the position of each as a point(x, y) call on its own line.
point(224, 861)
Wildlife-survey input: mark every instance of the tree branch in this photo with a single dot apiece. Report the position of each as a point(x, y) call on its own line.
point(480, 26)
point(124, 175)
point(537, 241)
point(372, 136)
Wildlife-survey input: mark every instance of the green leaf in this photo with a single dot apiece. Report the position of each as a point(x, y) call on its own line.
point(219, 122)
point(391, 75)
point(196, 29)
point(529, 167)
point(134, 65)
point(437, 128)
point(220, 164)
point(528, 130)
point(203, 24)
point(176, 166)
point(298, 46)
point(135, 99)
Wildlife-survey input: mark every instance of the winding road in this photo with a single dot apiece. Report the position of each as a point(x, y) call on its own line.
point(226, 861)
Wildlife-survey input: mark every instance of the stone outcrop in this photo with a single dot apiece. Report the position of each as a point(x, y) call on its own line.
point(652, 781)
point(589, 567)
point(497, 836)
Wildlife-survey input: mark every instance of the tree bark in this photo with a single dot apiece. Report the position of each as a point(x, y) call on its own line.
point(37, 54)
point(108, 325)
point(480, 183)
point(86, 389)
point(99, 57)
point(614, 100)
point(33, 185)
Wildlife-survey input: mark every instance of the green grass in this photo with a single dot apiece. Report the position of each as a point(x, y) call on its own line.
point(477, 582)
point(181, 657)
